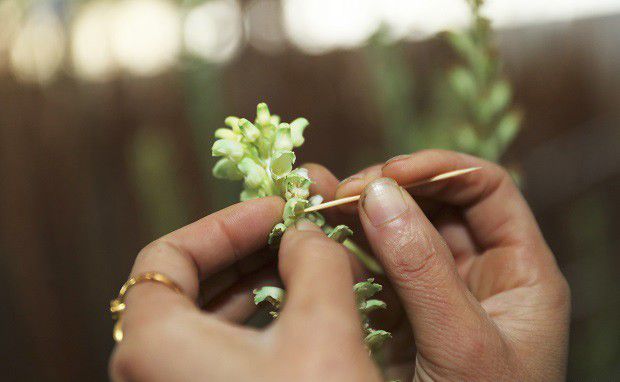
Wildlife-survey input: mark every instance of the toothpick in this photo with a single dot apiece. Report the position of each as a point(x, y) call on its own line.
point(436, 178)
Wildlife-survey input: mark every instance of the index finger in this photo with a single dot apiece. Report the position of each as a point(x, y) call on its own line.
point(491, 204)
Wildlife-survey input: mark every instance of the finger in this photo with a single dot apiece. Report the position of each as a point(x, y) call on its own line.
point(319, 282)
point(419, 264)
point(492, 205)
point(354, 185)
point(324, 183)
point(190, 253)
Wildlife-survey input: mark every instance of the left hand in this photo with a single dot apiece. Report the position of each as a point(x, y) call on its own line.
point(316, 337)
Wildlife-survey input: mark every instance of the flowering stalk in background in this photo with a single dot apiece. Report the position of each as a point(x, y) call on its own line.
point(261, 154)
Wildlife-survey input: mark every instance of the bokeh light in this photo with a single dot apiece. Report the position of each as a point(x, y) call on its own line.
point(90, 44)
point(146, 35)
point(263, 25)
point(39, 46)
point(213, 30)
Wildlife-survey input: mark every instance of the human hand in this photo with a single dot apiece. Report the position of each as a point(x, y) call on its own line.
point(479, 286)
point(316, 337)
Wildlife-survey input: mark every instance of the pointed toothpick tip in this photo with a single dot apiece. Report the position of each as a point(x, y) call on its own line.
point(355, 198)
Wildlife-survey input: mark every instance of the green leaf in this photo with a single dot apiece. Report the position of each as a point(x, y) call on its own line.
point(297, 131)
point(273, 295)
point(227, 169)
point(231, 149)
point(340, 233)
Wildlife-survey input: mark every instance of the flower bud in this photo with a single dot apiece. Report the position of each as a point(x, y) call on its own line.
point(254, 174)
point(282, 163)
point(283, 140)
point(231, 149)
point(227, 169)
point(233, 122)
point(297, 131)
point(249, 131)
point(224, 133)
point(262, 114)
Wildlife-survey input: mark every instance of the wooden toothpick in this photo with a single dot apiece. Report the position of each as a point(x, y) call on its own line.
point(436, 178)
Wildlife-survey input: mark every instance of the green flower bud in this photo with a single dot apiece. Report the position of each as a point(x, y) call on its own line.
point(254, 174)
point(376, 338)
point(283, 140)
point(293, 209)
point(231, 149)
point(276, 234)
point(297, 131)
point(233, 122)
point(340, 233)
point(273, 295)
point(262, 114)
point(282, 163)
point(249, 194)
point(297, 184)
point(274, 120)
point(249, 131)
point(366, 289)
point(224, 133)
point(227, 169)
point(371, 305)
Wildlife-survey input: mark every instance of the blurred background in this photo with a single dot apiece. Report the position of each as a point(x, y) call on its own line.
point(107, 111)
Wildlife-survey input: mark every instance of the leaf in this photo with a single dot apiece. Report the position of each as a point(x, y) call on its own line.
point(271, 294)
point(340, 233)
point(227, 169)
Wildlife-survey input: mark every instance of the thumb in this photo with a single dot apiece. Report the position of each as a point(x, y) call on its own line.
point(421, 268)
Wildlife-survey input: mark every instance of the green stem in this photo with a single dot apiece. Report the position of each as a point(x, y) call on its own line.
point(366, 259)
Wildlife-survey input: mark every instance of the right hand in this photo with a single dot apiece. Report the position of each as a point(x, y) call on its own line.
point(478, 284)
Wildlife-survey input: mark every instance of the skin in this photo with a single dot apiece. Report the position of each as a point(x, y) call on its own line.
point(474, 292)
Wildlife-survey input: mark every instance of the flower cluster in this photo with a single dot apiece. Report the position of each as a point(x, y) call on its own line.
point(261, 154)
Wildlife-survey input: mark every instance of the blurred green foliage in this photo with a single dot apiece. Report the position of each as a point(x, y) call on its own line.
point(470, 107)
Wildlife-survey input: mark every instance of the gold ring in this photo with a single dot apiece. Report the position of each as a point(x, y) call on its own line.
point(117, 306)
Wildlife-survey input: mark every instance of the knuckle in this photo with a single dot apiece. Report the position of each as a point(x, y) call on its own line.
point(126, 363)
point(156, 248)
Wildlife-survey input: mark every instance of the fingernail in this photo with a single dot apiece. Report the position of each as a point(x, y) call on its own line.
point(357, 176)
point(383, 201)
point(395, 159)
point(306, 225)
